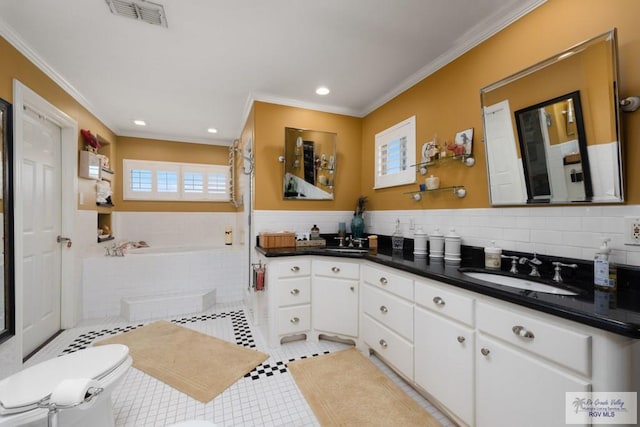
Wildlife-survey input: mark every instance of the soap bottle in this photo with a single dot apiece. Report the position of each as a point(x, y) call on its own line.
point(397, 239)
point(315, 232)
point(605, 277)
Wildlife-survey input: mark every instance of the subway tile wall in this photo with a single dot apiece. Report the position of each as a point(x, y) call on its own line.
point(570, 231)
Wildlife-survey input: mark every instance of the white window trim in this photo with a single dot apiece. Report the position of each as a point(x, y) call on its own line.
point(180, 168)
point(406, 129)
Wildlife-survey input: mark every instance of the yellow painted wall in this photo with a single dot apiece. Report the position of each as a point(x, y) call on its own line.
point(448, 101)
point(16, 66)
point(269, 122)
point(157, 150)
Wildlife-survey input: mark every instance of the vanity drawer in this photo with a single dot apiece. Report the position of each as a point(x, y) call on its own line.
point(563, 346)
point(444, 301)
point(391, 282)
point(391, 311)
point(293, 320)
point(294, 267)
point(389, 345)
point(339, 269)
point(293, 291)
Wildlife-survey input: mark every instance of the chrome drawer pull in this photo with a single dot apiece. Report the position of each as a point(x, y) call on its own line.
point(521, 331)
point(295, 291)
point(335, 269)
point(383, 309)
point(461, 339)
point(294, 320)
point(383, 344)
point(438, 301)
point(485, 351)
point(383, 280)
point(295, 268)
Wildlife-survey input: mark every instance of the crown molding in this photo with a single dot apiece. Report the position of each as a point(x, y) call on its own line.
point(175, 138)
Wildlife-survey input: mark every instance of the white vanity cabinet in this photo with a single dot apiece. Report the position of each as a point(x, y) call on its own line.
point(335, 285)
point(387, 316)
point(524, 367)
point(444, 347)
point(289, 292)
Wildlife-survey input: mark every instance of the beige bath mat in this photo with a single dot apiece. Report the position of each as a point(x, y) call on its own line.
point(345, 388)
point(194, 363)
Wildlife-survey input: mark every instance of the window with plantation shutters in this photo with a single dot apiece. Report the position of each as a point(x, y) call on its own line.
point(395, 155)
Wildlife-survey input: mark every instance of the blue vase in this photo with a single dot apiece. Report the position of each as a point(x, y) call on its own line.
point(357, 226)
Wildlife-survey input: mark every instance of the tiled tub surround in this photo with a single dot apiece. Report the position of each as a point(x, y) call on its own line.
point(106, 281)
point(568, 231)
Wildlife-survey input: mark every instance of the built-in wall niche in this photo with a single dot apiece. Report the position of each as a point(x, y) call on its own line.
point(104, 184)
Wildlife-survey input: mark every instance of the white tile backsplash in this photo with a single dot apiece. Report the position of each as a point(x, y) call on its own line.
point(569, 231)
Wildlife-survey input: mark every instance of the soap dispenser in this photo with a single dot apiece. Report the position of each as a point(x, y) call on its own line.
point(397, 240)
point(492, 257)
point(605, 273)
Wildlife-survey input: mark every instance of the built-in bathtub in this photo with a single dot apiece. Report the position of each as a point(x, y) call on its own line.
point(157, 282)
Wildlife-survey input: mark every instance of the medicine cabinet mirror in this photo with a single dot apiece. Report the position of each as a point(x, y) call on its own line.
point(552, 131)
point(7, 304)
point(309, 164)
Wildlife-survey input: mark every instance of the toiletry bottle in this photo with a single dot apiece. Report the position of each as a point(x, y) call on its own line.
point(315, 232)
point(228, 235)
point(604, 278)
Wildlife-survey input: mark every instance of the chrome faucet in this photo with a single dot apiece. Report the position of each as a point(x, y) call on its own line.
point(534, 263)
point(557, 267)
point(514, 263)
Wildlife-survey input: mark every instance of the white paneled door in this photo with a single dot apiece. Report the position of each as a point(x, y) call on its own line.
point(41, 225)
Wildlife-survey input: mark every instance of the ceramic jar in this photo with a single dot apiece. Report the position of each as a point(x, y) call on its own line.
point(452, 248)
point(419, 242)
point(436, 244)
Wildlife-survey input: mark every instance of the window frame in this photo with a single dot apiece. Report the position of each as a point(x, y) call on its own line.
point(405, 129)
point(180, 169)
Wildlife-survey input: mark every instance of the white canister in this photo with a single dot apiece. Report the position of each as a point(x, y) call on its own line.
point(493, 256)
point(452, 247)
point(419, 242)
point(436, 244)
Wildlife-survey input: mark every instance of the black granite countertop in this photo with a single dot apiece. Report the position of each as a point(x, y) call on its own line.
point(622, 319)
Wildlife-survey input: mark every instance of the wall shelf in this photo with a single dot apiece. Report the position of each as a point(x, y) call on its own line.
point(457, 190)
point(466, 159)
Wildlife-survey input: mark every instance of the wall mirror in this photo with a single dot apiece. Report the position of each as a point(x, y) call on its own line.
point(7, 302)
point(552, 131)
point(309, 164)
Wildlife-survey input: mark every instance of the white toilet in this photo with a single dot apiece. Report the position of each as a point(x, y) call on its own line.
point(23, 395)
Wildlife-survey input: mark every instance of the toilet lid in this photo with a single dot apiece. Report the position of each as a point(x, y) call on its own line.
point(33, 384)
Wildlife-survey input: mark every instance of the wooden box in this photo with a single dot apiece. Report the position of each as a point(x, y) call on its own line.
point(283, 239)
point(316, 243)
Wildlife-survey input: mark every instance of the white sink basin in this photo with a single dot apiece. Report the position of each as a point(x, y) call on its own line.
point(516, 282)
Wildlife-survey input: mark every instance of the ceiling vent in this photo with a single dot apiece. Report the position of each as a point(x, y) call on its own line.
point(141, 10)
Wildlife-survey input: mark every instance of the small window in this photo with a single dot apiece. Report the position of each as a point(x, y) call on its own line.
point(150, 180)
point(395, 154)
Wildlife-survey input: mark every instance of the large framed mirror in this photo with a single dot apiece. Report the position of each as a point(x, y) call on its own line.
point(7, 303)
point(552, 131)
point(309, 164)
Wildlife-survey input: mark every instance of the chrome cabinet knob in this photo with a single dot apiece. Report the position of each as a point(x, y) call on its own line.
point(295, 320)
point(383, 344)
point(353, 288)
point(438, 301)
point(295, 291)
point(485, 351)
point(521, 331)
point(335, 269)
point(383, 309)
point(295, 268)
point(461, 339)
point(383, 281)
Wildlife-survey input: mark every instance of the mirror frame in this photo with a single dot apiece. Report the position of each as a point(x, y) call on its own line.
point(582, 144)
point(608, 36)
point(299, 145)
point(9, 329)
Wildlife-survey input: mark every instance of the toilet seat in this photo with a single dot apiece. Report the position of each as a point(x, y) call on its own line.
point(22, 391)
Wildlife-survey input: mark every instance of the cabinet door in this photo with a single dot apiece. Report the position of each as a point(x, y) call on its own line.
point(444, 362)
point(335, 306)
point(515, 389)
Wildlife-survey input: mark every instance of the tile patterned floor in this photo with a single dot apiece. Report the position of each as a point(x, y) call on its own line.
point(267, 396)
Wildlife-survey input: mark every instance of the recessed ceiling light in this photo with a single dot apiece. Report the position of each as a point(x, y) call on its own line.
point(140, 122)
point(323, 90)
point(212, 130)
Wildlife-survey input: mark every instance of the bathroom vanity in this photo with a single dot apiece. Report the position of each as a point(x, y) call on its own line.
point(486, 354)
